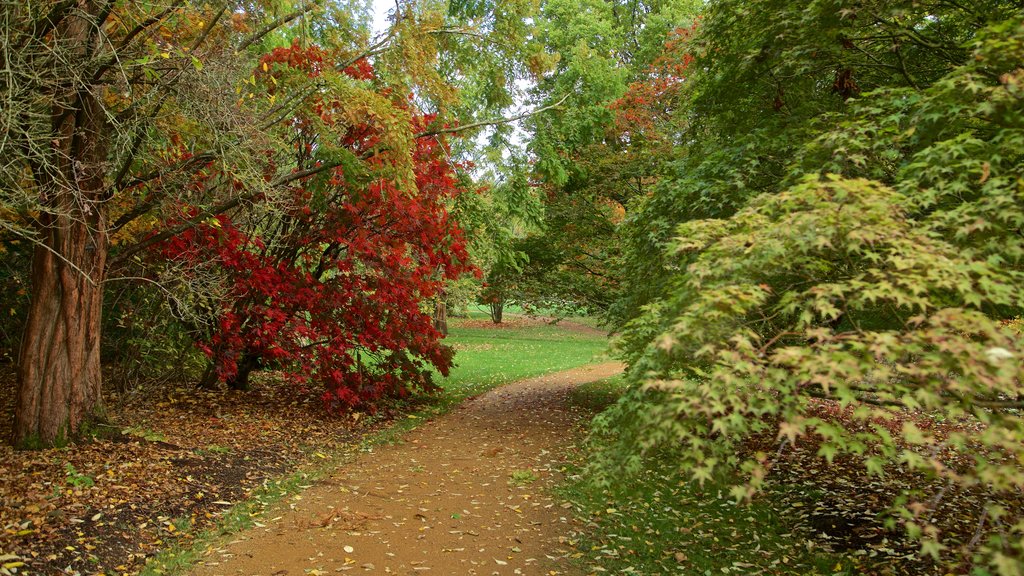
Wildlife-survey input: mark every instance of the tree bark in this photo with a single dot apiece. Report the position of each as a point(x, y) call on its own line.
point(497, 310)
point(441, 316)
point(59, 365)
point(59, 362)
point(246, 365)
point(209, 379)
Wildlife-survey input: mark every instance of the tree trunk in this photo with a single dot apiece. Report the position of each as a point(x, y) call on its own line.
point(59, 363)
point(209, 379)
point(497, 309)
point(441, 316)
point(248, 363)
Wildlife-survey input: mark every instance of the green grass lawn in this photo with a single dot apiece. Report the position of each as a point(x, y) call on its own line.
point(658, 523)
point(487, 357)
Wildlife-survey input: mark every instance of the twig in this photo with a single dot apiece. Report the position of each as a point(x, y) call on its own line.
point(274, 26)
point(977, 531)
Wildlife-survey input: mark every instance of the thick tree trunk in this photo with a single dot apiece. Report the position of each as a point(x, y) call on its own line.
point(59, 362)
point(59, 365)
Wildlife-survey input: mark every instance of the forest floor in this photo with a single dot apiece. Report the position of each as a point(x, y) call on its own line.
point(184, 465)
point(177, 463)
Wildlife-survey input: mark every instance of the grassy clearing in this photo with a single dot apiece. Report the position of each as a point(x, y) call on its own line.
point(480, 312)
point(660, 524)
point(487, 358)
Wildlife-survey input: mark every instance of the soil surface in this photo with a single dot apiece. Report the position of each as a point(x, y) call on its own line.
point(467, 493)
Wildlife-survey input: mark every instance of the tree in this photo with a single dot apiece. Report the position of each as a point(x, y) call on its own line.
point(753, 97)
point(858, 243)
point(328, 284)
point(593, 160)
point(81, 96)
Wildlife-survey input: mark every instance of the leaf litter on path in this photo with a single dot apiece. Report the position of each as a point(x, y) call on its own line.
point(438, 502)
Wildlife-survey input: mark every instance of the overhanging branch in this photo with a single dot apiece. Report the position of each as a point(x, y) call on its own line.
point(274, 26)
point(492, 122)
point(298, 175)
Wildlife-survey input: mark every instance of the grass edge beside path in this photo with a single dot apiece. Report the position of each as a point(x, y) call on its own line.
point(485, 360)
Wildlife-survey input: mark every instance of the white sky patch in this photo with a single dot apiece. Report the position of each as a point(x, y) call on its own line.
point(380, 15)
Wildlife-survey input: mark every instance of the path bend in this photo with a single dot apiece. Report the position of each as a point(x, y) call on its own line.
point(464, 494)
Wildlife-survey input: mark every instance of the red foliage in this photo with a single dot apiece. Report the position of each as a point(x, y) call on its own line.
point(330, 291)
point(652, 98)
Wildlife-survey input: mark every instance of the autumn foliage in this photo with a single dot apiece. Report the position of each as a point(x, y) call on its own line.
point(329, 285)
point(652, 97)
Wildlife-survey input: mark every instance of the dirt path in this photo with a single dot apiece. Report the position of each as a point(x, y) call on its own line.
point(464, 494)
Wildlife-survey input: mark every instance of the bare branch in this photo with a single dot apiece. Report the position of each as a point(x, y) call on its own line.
point(43, 26)
point(209, 28)
point(492, 122)
point(142, 26)
point(274, 26)
point(457, 32)
point(154, 197)
point(218, 209)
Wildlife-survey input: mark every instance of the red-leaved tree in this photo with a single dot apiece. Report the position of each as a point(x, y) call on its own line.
point(647, 106)
point(325, 278)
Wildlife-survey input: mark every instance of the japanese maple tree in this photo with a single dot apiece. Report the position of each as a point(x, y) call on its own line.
point(327, 283)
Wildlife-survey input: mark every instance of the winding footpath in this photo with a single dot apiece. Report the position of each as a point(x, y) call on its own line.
point(465, 494)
